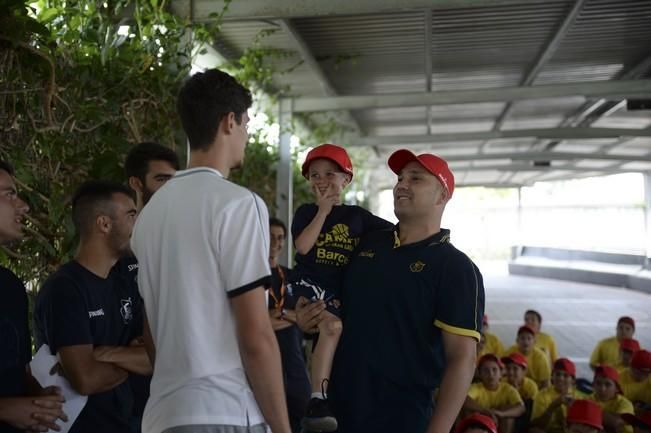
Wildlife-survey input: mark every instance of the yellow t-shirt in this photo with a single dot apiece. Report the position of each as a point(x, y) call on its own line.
point(542, 401)
point(528, 389)
point(493, 345)
point(538, 368)
point(618, 405)
point(635, 391)
point(546, 343)
point(606, 352)
point(504, 396)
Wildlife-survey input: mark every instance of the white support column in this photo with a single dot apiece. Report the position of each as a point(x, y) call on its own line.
point(284, 182)
point(647, 217)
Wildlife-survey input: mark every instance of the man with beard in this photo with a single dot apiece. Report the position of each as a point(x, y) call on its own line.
point(88, 315)
point(148, 167)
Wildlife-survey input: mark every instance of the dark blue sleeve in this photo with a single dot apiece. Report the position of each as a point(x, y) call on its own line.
point(460, 297)
point(64, 315)
point(302, 218)
point(373, 222)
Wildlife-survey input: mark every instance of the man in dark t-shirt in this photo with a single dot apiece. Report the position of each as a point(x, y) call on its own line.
point(19, 409)
point(88, 312)
point(413, 313)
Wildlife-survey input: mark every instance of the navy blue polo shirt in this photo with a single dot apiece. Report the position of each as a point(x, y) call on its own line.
point(399, 299)
point(341, 233)
point(76, 307)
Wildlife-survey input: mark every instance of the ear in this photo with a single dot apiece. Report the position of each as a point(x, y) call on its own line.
point(136, 184)
point(104, 224)
point(349, 179)
point(443, 197)
point(228, 123)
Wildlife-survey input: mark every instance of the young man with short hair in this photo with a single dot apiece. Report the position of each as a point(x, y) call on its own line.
point(202, 245)
point(148, 166)
point(385, 371)
point(21, 407)
point(88, 314)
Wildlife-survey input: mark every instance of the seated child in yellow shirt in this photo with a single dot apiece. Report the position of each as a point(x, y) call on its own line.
point(550, 404)
point(607, 394)
point(493, 397)
point(538, 362)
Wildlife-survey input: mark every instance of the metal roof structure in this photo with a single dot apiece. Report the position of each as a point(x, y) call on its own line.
point(509, 91)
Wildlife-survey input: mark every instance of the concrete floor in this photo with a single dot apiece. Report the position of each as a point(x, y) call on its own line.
point(577, 315)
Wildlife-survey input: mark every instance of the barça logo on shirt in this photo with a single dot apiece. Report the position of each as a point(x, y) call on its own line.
point(417, 266)
point(126, 310)
point(334, 247)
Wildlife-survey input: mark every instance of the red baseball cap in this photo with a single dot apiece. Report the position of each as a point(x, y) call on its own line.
point(641, 360)
point(643, 421)
point(334, 153)
point(585, 412)
point(630, 344)
point(608, 372)
point(489, 357)
point(515, 358)
point(564, 364)
point(477, 418)
point(432, 163)
point(626, 319)
point(526, 328)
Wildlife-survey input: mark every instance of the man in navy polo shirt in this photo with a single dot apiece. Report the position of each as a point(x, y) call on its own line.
point(414, 308)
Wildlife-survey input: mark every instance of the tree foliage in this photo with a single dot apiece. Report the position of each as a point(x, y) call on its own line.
point(80, 82)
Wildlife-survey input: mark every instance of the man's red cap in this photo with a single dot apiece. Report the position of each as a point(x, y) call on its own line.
point(526, 328)
point(630, 344)
point(585, 412)
point(641, 360)
point(476, 418)
point(564, 364)
point(516, 358)
point(489, 357)
point(432, 163)
point(643, 421)
point(334, 153)
point(627, 319)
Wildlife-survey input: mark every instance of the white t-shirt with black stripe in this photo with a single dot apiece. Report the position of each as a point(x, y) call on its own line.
point(200, 240)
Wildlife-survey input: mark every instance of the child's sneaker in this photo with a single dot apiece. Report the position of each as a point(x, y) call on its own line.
point(318, 417)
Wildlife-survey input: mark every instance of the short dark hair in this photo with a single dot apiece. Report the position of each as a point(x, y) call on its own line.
point(4, 165)
point(92, 199)
point(139, 156)
point(535, 313)
point(273, 221)
point(204, 100)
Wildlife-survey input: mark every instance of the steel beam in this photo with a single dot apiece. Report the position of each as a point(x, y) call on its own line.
point(543, 57)
point(240, 10)
point(612, 89)
point(546, 133)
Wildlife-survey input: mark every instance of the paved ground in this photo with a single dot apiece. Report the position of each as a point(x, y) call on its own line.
point(576, 315)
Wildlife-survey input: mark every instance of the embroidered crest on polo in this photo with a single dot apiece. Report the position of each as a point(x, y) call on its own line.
point(417, 266)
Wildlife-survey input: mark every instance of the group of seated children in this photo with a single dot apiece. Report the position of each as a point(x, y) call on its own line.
point(528, 388)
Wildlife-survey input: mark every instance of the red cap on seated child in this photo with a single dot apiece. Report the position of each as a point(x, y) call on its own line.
point(585, 412)
point(516, 358)
point(474, 419)
point(489, 357)
point(629, 344)
point(641, 360)
point(526, 328)
point(564, 364)
point(628, 320)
